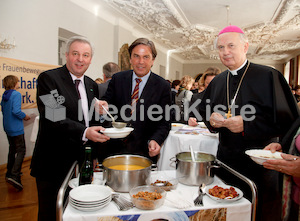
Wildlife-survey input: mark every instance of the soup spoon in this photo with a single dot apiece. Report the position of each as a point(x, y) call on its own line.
point(117, 125)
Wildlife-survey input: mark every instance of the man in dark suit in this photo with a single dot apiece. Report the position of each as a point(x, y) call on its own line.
point(109, 69)
point(60, 142)
point(225, 109)
point(146, 111)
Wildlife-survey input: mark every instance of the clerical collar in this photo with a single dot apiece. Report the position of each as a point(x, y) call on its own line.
point(235, 72)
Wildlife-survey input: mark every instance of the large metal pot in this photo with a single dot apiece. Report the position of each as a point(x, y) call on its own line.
point(195, 173)
point(125, 180)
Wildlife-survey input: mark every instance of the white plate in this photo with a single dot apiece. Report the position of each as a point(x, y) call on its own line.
point(190, 128)
point(74, 182)
point(206, 190)
point(177, 126)
point(93, 203)
point(164, 177)
point(89, 209)
point(117, 133)
point(208, 133)
point(90, 193)
point(89, 204)
point(260, 156)
point(97, 180)
point(202, 124)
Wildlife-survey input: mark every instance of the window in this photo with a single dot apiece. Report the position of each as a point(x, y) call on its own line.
point(63, 36)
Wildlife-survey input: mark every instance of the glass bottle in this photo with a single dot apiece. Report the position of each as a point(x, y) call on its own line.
point(86, 170)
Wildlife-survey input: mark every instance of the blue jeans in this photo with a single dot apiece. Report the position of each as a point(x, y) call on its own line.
point(16, 155)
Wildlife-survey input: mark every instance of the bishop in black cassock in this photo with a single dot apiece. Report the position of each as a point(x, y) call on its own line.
point(266, 90)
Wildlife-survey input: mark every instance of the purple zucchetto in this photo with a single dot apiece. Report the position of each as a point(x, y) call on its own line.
point(231, 28)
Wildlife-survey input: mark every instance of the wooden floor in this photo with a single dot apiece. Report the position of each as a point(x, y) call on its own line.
point(18, 205)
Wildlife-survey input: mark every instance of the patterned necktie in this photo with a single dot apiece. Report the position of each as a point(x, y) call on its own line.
point(77, 82)
point(135, 94)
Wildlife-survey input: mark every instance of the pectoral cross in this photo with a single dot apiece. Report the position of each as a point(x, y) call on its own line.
point(228, 115)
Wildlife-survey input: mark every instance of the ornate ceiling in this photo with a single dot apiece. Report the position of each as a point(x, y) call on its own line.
point(189, 27)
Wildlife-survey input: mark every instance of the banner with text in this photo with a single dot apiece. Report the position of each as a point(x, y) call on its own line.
point(27, 72)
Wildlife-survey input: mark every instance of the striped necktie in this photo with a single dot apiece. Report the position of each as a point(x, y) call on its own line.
point(135, 94)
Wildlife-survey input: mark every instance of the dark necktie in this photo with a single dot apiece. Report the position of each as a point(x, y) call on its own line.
point(77, 82)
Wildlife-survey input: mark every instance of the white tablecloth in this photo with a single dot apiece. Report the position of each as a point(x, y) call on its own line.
point(239, 210)
point(176, 143)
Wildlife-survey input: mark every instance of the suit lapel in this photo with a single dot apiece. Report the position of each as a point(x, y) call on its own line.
point(127, 86)
point(69, 85)
point(89, 90)
point(149, 88)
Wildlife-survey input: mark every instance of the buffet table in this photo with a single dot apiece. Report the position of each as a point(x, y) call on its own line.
point(239, 210)
point(177, 142)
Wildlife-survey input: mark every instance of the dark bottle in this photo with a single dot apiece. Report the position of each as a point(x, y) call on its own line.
point(86, 170)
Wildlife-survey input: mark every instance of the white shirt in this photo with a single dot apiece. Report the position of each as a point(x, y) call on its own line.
point(84, 102)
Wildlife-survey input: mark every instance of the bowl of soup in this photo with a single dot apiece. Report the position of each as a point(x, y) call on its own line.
point(123, 172)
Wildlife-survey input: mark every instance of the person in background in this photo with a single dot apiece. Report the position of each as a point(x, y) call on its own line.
point(140, 90)
point(293, 91)
point(13, 126)
point(170, 83)
point(247, 113)
point(109, 69)
point(99, 81)
point(205, 79)
point(290, 166)
point(61, 142)
point(297, 93)
point(208, 75)
point(184, 96)
point(174, 89)
point(201, 87)
point(195, 87)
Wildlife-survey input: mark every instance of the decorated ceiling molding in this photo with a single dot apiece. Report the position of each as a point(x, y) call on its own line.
point(189, 27)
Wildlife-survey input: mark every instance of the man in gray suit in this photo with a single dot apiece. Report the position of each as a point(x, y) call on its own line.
point(109, 69)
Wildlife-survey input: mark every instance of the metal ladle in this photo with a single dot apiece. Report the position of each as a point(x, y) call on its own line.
point(117, 125)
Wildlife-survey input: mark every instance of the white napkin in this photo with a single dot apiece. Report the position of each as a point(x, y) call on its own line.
point(178, 199)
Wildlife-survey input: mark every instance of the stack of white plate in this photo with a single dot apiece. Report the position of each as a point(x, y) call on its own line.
point(90, 197)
